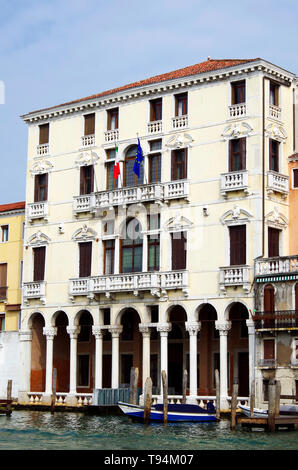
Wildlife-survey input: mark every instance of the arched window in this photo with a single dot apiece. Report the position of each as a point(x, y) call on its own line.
point(130, 178)
point(132, 247)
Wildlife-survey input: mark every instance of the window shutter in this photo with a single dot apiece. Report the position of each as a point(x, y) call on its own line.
point(178, 251)
point(237, 245)
point(173, 165)
point(82, 180)
point(85, 259)
point(269, 299)
point(269, 352)
point(90, 124)
point(46, 186)
point(295, 178)
point(243, 152)
point(185, 164)
point(36, 188)
point(3, 275)
point(39, 263)
point(273, 242)
point(43, 134)
point(231, 163)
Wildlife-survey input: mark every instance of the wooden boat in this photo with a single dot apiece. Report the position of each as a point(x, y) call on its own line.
point(176, 413)
point(260, 413)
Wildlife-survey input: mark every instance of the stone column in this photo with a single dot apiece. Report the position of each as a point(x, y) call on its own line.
point(97, 331)
point(145, 253)
point(164, 330)
point(25, 338)
point(117, 255)
point(193, 329)
point(145, 330)
point(49, 332)
point(223, 328)
point(251, 350)
point(115, 332)
point(73, 332)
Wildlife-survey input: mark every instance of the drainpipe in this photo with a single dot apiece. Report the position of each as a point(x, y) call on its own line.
point(263, 168)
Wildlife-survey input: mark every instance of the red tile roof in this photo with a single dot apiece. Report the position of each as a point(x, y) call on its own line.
point(13, 206)
point(206, 66)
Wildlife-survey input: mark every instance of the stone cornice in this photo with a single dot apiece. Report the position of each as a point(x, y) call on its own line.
point(175, 85)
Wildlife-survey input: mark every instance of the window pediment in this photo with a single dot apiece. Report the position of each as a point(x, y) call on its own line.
point(38, 239)
point(178, 141)
point(235, 216)
point(178, 223)
point(276, 132)
point(41, 167)
point(84, 233)
point(86, 158)
point(235, 131)
point(276, 219)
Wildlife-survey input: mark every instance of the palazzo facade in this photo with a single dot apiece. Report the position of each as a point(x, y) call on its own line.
point(155, 271)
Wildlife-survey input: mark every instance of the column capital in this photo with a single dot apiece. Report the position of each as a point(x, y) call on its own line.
point(223, 327)
point(73, 331)
point(50, 331)
point(164, 328)
point(116, 331)
point(251, 326)
point(97, 331)
point(25, 335)
point(193, 327)
point(144, 329)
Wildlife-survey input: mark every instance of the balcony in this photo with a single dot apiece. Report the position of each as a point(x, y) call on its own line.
point(37, 210)
point(277, 266)
point(237, 110)
point(88, 140)
point(3, 293)
point(34, 290)
point(180, 122)
point(43, 149)
point(112, 135)
point(234, 181)
point(154, 127)
point(277, 182)
point(158, 283)
point(267, 363)
point(233, 276)
point(278, 320)
point(274, 112)
point(131, 195)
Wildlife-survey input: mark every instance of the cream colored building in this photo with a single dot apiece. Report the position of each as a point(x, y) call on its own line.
point(179, 293)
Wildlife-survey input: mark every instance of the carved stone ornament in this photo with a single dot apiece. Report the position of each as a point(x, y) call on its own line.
point(193, 327)
point(115, 331)
point(276, 132)
point(235, 131)
point(276, 219)
point(178, 223)
point(97, 332)
point(84, 233)
point(86, 158)
point(223, 327)
point(38, 239)
point(50, 331)
point(178, 141)
point(40, 167)
point(73, 331)
point(164, 328)
point(235, 216)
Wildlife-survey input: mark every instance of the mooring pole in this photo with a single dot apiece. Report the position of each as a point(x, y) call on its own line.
point(147, 400)
point(217, 386)
point(277, 397)
point(53, 400)
point(252, 398)
point(234, 403)
point(184, 386)
point(271, 405)
point(8, 404)
point(165, 396)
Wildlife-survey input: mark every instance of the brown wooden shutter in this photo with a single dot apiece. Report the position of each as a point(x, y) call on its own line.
point(85, 259)
point(36, 188)
point(3, 275)
point(231, 160)
point(269, 348)
point(44, 134)
point(295, 178)
point(243, 152)
point(178, 250)
point(273, 242)
point(173, 165)
point(269, 299)
point(90, 124)
point(237, 245)
point(185, 164)
point(39, 263)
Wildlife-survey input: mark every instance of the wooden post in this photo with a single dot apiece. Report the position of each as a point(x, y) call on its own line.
point(184, 386)
point(53, 400)
point(234, 403)
point(277, 397)
point(165, 396)
point(217, 386)
point(147, 400)
point(8, 404)
point(134, 376)
point(271, 405)
point(252, 397)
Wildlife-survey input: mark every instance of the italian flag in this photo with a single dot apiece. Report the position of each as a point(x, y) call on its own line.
point(116, 166)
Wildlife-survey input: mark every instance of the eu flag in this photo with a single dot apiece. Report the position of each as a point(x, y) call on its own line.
point(138, 160)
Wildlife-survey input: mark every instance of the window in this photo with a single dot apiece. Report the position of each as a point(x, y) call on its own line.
point(154, 168)
point(274, 94)
point(86, 179)
point(179, 250)
point(132, 248)
point(2, 322)
point(41, 187)
point(89, 124)
point(113, 118)
point(237, 245)
point(44, 134)
point(112, 183)
point(153, 252)
point(269, 298)
point(181, 104)
point(85, 327)
point(295, 178)
point(273, 155)
point(83, 370)
point(4, 233)
point(109, 254)
point(238, 92)
point(266, 389)
point(273, 242)
point(39, 256)
point(269, 350)
point(21, 273)
point(130, 178)
point(85, 250)
point(156, 110)
point(237, 154)
point(179, 164)
point(3, 281)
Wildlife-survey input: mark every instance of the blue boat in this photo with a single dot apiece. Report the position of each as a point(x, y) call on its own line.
point(176, 413)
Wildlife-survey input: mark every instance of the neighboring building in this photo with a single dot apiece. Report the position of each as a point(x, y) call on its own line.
point(12, 218)
point(155, 271)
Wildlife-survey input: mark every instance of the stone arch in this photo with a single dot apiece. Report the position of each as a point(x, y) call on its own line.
point(30, 319)
point(120, 313)
point(77, 317)
point(202, 307)
point(56, 315)
point(38, 353)
point(167, 313)
point(230, 306)
point(61, 350)
point(129, 177)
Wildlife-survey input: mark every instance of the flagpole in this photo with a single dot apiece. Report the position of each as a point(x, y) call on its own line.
point(143, 163)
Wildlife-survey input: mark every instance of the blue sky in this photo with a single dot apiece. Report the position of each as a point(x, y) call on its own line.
point(53, 51)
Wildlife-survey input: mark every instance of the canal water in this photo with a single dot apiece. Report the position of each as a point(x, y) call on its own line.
point(39, 430)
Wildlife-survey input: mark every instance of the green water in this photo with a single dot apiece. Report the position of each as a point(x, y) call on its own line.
point(39, 430)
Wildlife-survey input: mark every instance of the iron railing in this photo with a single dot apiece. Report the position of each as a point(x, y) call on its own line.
point(281, 319)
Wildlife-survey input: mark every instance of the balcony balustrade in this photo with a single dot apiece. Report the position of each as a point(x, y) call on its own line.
point(274, 112)
point(277, 182)
point(88, 140)
point(37, 210)
point(267, 363)
point(112, 135)
point(231, 276)
point(237, 110)
point(234, 181)
point(278, 265)
point(278, 320)
point(43, 149)
point(34, 290)
point(179, 122)
point(154, 127)
point(157, 283)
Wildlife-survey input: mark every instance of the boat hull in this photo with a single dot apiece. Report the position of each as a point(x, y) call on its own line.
point(259, 413)
point(137, 412)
